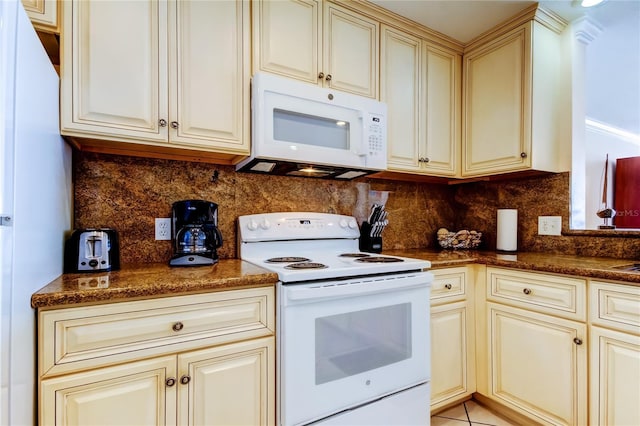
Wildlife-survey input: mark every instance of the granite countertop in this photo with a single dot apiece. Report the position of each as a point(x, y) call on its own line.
point(584, 266)
point(147, 280)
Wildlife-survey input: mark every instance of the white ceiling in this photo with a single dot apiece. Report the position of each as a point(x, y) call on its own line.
point(465, 19)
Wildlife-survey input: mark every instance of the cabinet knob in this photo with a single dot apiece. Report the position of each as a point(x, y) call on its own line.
point(523, 154)
point(162, 122)
point(527, 291)
point(178, 326)
point(328, 77)
point(170, 381)
point(185, 379)
point(426, 159)
point(174, 124)
point(448, 286)
point(577, 341)
point(321, 75)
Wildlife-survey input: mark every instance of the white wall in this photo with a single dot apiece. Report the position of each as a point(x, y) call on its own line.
point(612, 104)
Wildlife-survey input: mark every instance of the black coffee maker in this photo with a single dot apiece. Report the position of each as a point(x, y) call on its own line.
point(195, 234)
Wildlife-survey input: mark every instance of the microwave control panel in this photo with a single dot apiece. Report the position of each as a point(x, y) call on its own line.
point(377, 149)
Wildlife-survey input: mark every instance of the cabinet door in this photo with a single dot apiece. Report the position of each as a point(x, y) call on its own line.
point(452, 360)
point(286, 38)
point(497, 105)
point(350, 51)
point(136, 393)
point(538, 364)
point(114, 82)
point(615, 368)
point(43, 14)
point(442, 72)
point(209, 74)
point(229, 385)
point(400, 83)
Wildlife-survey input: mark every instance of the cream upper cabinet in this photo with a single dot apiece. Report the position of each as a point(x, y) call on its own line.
point(614, 343)
point(515, 100)
point(318, 42)
point(421, 85)
point(537, 345)
point(201, 359)
point(452, 336)
point(400, 84)
point(174, 74)
point(44, 14)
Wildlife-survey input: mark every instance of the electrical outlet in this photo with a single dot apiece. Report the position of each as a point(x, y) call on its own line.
point(163, 228)
point(549, 225)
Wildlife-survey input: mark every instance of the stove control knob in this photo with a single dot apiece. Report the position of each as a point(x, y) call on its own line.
point(343, 223)
point(265, 224)
point(252, 225)
point(353, 224)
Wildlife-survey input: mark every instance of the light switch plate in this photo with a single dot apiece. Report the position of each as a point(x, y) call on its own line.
point(549, 225)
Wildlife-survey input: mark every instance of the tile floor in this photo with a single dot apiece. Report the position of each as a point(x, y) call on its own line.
point(469, 413)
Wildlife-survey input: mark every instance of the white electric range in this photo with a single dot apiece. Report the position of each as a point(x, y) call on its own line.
point(353, 332)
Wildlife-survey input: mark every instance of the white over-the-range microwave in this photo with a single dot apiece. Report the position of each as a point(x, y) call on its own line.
point(299, 129)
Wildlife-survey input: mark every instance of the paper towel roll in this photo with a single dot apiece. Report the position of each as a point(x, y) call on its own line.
point(507, 239)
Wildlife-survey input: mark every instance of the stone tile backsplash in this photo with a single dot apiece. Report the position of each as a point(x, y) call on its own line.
point(128, 193)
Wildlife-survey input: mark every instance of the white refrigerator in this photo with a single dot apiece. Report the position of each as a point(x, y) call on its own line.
point(35, 203)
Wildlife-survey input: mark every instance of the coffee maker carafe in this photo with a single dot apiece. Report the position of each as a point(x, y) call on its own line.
point(194, 232)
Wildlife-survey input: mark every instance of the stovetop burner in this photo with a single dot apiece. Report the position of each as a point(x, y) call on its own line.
point(378, 259)
point(354, 255)
point(287, 259)
point(306, 265)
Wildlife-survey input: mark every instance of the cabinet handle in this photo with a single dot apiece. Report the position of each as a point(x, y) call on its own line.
point(162, 122)
point(174, 124)
point(527, 291)
point(328, 77)
point(170, 381)
point(448, 286)
point(178, 326)
point(577, 341)
point(523, 154)
point(321, 76)
point(185, 379)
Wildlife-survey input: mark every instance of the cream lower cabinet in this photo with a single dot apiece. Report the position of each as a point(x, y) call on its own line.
point(421, 85)
point(536, 347)
point(318, 42)
point(452, 337)
point(515, 98)
point(614, 338)
point(206, 359)
point(173, 77)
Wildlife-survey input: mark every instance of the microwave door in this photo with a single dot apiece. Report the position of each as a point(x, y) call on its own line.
point(304, 130)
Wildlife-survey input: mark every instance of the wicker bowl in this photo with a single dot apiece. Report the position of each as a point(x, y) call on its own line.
point(459, 240)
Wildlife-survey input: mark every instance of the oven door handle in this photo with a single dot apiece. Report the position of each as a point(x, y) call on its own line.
point(359, 288)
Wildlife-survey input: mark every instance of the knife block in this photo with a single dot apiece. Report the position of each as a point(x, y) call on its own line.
point(368, 243)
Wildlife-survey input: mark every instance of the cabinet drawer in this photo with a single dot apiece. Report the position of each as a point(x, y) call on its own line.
point(95, 335)
point(615, 306)
point(552, 294)
point(448, 285)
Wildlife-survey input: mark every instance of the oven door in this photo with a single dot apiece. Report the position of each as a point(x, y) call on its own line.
point(345, 343)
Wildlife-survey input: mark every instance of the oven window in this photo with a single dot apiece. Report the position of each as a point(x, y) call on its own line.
point(310, 130)
point(355, 342)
